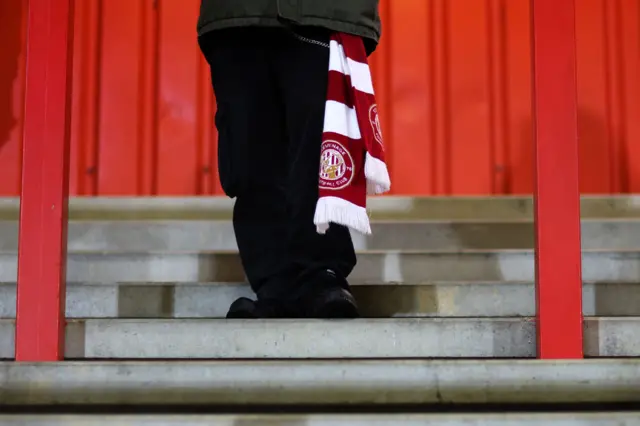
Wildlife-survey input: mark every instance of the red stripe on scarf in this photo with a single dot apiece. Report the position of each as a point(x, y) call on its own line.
point(340, 89)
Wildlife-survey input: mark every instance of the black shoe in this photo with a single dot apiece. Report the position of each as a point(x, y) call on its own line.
point(328, 297)
point(244, 308)
point(335, 303)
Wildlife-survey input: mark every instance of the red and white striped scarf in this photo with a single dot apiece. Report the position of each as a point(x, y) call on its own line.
point(352, 163)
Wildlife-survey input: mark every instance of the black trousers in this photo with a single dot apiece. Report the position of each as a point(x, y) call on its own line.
point(270, 86)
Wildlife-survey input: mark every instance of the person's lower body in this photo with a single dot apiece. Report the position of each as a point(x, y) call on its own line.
point(270, 90)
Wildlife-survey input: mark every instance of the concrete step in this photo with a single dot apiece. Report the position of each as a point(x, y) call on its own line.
point(319, 382)
point(373, 266)
point(477, 419)
point(183, 235)
point(438, 208)
point(438, 299)
point(369, 338)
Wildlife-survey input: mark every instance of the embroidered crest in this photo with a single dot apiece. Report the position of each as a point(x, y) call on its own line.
point(336, 166)
point(374, 119)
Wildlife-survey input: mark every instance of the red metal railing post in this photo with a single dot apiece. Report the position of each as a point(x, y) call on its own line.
point(45, 181)
point(557, 197)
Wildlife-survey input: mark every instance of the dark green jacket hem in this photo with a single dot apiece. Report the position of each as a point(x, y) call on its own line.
point(260, 21)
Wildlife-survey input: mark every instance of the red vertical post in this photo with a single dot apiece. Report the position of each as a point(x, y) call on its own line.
point(557, 196)
point(45, 180)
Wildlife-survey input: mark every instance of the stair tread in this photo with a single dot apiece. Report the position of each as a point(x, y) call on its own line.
point(217, 235)
point(476, 419)
point(393, 204)
point(376, 299)
point(388, 206)
point(378, 252)
point(375, 266)
point(296, 339)
point(315, 382)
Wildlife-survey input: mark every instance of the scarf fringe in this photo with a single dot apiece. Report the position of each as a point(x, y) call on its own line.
point(337, 210)
point(377, 174)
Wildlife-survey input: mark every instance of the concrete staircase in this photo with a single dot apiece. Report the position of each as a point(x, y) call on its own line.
point(150, 281)
point(570, 419)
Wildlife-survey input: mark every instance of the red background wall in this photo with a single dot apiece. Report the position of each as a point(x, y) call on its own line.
point(453, 81)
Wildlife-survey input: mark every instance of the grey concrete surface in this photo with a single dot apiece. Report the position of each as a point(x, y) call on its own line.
point(478, 419)
point(373, 267)
point(447, 208)
point(302, 339)
point(437, 299)
point(319, 382)
point(387, 235)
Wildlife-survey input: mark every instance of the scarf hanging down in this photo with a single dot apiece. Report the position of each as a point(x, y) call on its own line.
point(352, 163)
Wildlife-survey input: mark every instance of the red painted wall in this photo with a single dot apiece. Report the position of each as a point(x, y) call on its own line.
point(453, 81)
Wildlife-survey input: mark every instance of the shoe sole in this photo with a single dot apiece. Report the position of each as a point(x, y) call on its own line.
point(241, 315)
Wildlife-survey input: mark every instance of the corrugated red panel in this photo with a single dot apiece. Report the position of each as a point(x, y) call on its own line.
point(453, 82)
